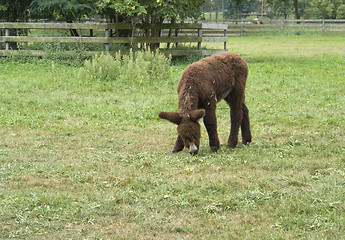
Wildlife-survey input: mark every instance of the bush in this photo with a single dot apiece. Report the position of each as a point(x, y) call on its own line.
point(139, 67)
point(341, 11)
point(68, 54)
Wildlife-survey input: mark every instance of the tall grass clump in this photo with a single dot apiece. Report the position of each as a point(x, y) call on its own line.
point(142, 67)
point(66, 54)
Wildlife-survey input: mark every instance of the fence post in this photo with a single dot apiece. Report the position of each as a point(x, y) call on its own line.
point(106, 45)
point(282, 25)
point(225, 42)
point(323, 25)
point(199, 35)
point(242, 27)
point(176, 35)
point(7, 33)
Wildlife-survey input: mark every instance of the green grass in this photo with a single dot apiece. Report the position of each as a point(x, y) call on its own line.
point(89, 159)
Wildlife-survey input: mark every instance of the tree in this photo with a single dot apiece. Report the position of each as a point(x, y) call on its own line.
point(153, 11)
point(327, 9)
point(208, 6)
point(235, 8)
point(237, 5)
point(295, 4)
point(250, 6)
point(13, 11)
point(66, 10)
point(281, 8)
point(341, 11)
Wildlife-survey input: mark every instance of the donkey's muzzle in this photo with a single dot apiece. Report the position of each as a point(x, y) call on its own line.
point(193, 149)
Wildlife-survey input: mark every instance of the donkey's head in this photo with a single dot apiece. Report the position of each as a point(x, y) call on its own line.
point(188, 127)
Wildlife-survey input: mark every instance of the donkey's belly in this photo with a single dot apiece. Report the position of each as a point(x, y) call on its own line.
point(223, 95)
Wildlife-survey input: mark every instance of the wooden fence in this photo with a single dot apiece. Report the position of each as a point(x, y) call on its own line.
point(241, 27)
point(30, 36)
point(101, 34)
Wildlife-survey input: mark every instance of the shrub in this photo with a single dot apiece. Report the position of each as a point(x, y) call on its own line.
point(139, 67)
point(68, 54)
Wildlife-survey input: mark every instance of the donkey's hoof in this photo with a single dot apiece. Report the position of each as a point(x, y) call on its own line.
point(245, 142)
point(232, 145)
point(214, 149)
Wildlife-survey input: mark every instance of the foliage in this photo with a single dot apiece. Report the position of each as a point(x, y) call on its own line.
point(14, 10)
point(281, 8)
point(152, 12)
point(156, 10)
point(2, 7)
point(341, 11)
point(124, 7)
point(67, 54)
point(233, 8)
point(67, 10)
point(139, 67)
point(327, 9)
point(309, 9)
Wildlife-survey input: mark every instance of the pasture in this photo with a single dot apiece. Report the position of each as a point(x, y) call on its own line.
point(84, 158)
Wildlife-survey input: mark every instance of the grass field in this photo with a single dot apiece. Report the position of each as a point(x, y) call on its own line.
point(89, 159)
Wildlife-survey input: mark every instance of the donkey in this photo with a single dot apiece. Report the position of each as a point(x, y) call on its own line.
point(202, 85)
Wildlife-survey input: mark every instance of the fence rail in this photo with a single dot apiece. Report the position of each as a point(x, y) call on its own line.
point(106, 35)
point(240, 27)
point(184, 33)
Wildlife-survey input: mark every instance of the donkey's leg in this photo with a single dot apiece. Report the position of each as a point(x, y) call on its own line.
point(210, 122)
point(245, 126)
point(235, 102)
point(179, 145)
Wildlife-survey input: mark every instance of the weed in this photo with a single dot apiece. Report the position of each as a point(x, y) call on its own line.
point(142, 67)
point(69, 54)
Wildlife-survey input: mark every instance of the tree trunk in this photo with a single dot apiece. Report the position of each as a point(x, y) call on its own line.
point(216, 10)
point(155, 33)
point(223, 10)
point(73, 32)
point(237, 11)
point(295, 4)
point(2, 45)
point(170, 32)
point(12, 16)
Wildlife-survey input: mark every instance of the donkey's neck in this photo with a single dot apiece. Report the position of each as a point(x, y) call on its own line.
point(188, 100)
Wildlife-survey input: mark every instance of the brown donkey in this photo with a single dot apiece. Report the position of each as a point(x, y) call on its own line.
point(202, 85)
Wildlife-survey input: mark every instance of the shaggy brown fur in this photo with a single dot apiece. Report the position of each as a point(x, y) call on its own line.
point(202, 85)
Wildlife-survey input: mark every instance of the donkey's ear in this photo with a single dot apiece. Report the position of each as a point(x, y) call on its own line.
point(195, 115)
point(173, 117)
